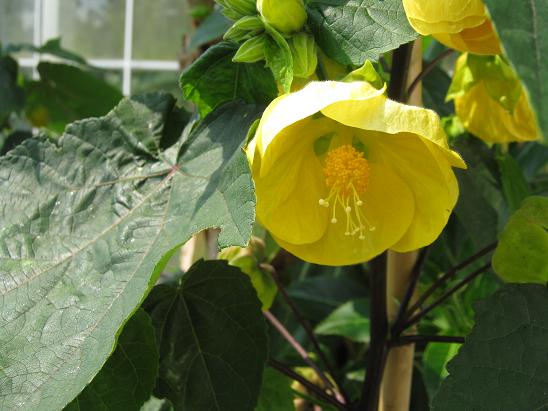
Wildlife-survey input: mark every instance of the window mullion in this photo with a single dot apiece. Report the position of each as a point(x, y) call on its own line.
point(128, 44)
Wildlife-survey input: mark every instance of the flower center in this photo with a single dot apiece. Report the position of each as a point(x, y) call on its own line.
point(346, 174)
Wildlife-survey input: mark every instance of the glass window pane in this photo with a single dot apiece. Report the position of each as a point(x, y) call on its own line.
point(142, 81)
point(93, 28)
point(16, 21)
point(158, 28)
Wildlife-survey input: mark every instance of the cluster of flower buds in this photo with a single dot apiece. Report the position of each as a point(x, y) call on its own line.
point(272, 31)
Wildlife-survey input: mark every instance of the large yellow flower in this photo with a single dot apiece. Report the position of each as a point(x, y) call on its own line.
point(490, 100)
point(459, 24)
point(342, 173)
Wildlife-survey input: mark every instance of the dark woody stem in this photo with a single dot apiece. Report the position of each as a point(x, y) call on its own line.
point(376, 356)
point(299, 349)
point(311, 387)
point(427, 69)
point(417, 317)
point(379, 330)
point(440, 281)
point(413, 280)
point(306, 326)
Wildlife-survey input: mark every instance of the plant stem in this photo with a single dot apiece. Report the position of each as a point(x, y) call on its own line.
point(376, 356)
point(307, 384)
point(448, 275)
point(427, 69)
point(417, 317)
point(412, 339)
point(306, 326)
point(414, 279)
point(299, 348)
point(398, 75)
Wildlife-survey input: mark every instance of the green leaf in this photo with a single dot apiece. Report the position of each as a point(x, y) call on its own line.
point(480, 198)
point(126, 380)
point(317, 297)
point(52, 47)
point(214, 79)
point(434, 89)
point(212, 339)
point(524, 35)
point(350, 320)
point(66, 93)
point(276, 392)
point(352, 31)
point(213, 27)
point(514, 186)
point(89, 221)
point(522, 252)
point(12, 97)
point(434, 360)
point(504, 363)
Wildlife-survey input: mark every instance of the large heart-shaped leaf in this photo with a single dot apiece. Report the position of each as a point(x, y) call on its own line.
point(214, 79)
point(504, 363)
point(86, 225)
point(522, 253)
point(352, 31)
point(212, 339)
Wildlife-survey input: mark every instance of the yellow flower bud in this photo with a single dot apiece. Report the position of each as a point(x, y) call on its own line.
point(286, 16)
point(491, 102)
point(459, 24)
point(342, 173)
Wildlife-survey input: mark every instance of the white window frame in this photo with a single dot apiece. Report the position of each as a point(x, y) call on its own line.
point(46, 26)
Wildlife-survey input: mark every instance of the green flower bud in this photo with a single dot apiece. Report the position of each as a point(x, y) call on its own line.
point(244, 28)
point(235, 9)
point(251, 51)
point(305, 58)
point(286, 16)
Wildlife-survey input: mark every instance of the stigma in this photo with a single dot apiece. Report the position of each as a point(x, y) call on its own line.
point(346, 173)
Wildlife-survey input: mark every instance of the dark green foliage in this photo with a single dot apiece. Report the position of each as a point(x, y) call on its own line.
point(214, 79)
point(352, 31)
point(212, 339)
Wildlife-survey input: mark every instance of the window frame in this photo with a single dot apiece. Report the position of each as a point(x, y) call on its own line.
point(46, 26)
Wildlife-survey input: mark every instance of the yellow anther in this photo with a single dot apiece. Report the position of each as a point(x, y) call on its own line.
point(346, 174)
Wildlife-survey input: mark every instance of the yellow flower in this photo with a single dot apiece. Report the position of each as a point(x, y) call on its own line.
point(342, 173)
point(459, 24)
point(490, 100)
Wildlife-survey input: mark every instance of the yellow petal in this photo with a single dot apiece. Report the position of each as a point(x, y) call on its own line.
point(389, 207)
point(288, 194)
point(291, 108)
point(447, 16)
point(428, 174)
point(488, 120)
point(480, 40)
point(387, 116)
